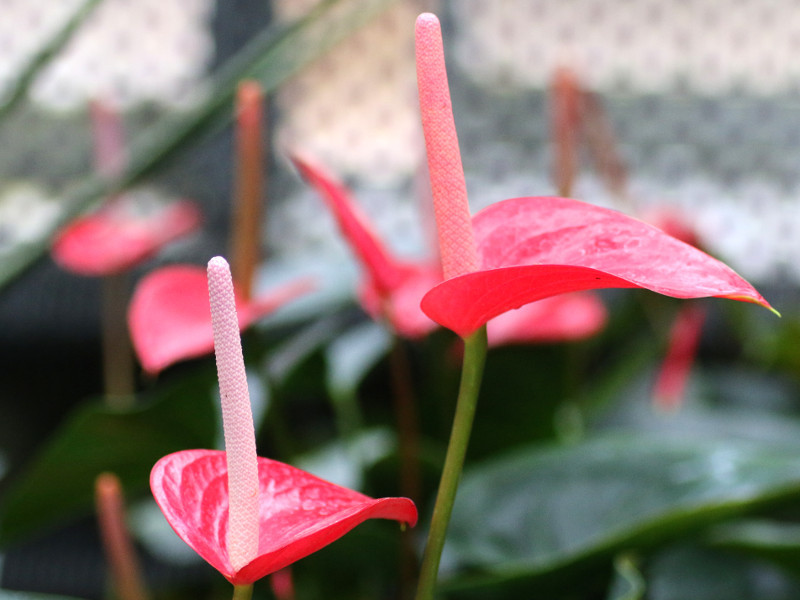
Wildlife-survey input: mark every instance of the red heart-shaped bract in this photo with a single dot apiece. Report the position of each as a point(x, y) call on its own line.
point(393, 289)
point(169, 317)
point(115, 238)
point(532, 248)
point(299, 513)
point(384, 271)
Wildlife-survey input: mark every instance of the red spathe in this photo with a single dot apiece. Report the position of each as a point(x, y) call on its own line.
point(170, 317)
point(115, 239)
point(299, 513)
point(533, 248)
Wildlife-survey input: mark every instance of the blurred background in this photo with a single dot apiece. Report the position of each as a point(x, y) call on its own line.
point(703, 97)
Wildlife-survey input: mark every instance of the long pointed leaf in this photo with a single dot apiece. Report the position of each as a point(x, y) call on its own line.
point(42, 57)
point(58, 484)
point(271, 58)
point(531, 516)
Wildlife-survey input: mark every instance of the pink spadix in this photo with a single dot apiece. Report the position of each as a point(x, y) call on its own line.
point(449, 189)
point(237, 418)
point(249, 516)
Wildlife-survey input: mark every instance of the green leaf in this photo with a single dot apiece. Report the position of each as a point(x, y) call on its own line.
point(349, 358)
point(271, 58)
point(773, 541)
point(58, 484)
point(14, 595)
point(353, 354)
point(42, 57)
point(687, 572)
point(344, 462)
point(628, 583)
point(547, 511)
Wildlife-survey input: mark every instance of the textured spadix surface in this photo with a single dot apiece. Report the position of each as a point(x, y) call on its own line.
point(533, 248)
point(170, 317)
point(298, 514)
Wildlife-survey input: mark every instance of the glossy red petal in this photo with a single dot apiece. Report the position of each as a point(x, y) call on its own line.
point(532, 248)
point(114, 239)
point(299, 513)
point(385, 272)
point(170, 320)
point(557, 319)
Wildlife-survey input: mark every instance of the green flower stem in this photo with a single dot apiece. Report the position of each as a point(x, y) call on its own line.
point(407, 422)
point(243, 592)
point(471, 374)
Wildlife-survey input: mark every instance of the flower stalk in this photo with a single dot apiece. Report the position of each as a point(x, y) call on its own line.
point(243, 591)
point(120, 554)
point(459, 257)
point(249, 186)
point(471, 375)
point(110, 158)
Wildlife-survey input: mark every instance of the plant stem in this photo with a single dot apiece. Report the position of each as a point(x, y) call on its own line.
point(407, 421)
point(243, 592)
point(247, 213)
point(117, 350)
point(117, 543)
point(471, 373)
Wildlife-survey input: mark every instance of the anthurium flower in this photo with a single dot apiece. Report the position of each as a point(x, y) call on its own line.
point(533, 248)
point(129, 228)
point(393, 288)
point(525, 249)
point(169, 317)
point(298, 512)
point(119, 236)
point(248, 516)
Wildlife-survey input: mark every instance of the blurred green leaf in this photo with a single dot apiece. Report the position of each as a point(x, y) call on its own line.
point(350, 357)
point(42, 57)
point(627, 583)
point(544, 511)
point(702, 574)
point(271, 58)
point(14, 595)
point(58, 484)
point(353, 354)
point(344, 462)
point(773, 541)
